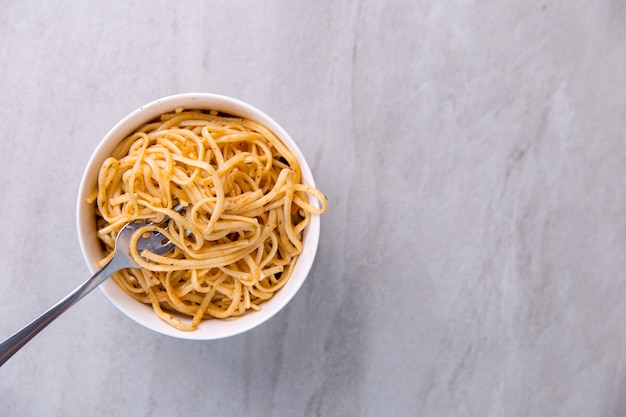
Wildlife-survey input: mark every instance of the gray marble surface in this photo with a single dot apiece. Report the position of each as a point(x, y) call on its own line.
point(472, 259)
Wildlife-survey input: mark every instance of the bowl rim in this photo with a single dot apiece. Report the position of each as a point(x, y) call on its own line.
point(85, 220)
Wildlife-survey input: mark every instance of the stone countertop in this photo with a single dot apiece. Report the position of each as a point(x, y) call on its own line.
point(472, 259)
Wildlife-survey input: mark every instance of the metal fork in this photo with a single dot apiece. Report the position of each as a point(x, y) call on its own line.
point(153, 241)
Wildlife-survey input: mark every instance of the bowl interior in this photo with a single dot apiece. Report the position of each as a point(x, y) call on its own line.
point(92, 251)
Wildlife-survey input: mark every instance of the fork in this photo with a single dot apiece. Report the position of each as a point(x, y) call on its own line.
point(152, 241)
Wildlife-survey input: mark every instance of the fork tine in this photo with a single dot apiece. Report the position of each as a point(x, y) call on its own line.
point(154, 242)
point(178, 207)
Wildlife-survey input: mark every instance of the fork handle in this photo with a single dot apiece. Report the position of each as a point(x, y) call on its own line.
point(15, 342)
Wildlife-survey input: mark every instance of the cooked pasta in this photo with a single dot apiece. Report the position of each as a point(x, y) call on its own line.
point(240, 233)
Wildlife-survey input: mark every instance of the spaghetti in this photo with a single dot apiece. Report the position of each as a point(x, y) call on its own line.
point(245, 212)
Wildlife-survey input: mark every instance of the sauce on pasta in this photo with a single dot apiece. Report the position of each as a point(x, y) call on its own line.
point(240, 233)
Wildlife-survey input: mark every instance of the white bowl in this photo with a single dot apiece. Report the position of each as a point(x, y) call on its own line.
point(92, 250)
